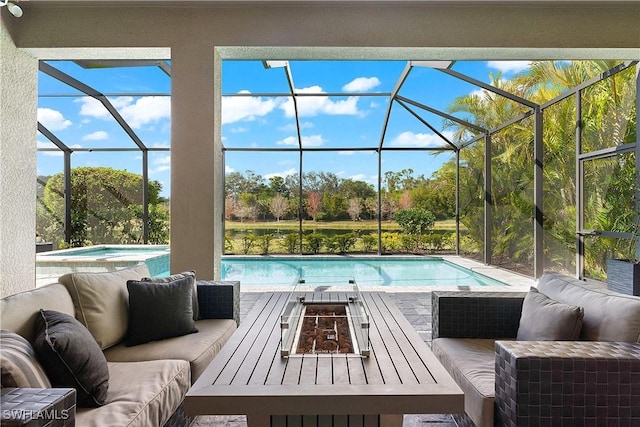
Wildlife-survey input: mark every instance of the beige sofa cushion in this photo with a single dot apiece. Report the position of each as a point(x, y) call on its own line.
point(101, 301)
point(471, 363)
point(198, 349)
point(141, 394)
point(608, 316)
point(18, 312)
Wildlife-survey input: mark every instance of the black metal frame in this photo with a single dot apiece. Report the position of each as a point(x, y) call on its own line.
point(408, 104)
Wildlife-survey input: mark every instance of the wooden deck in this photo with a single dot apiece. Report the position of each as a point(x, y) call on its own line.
point(250, 377)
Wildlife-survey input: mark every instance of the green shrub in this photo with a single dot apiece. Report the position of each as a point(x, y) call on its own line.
point(409, 243)
point(314, 241)
point(369, 242)
point(343, 243)
point(264, 242)
point(433, 242)
point(414, 221)
point(247, 242)
point(228, 245)
point(390, 242)
point(291, 243)
point(449, 241)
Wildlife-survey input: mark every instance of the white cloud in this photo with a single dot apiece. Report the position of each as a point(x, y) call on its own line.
point(228, 169)
point(291, 127)
point(482, 94)
point(58, 152)
point(93, 108)
point(358, 177)
point(371, 179)
point(52, 119)
point(164, 163)
point(48, 144)
point(163, 160)
point(161, 144)
point(361, 84)
point(145, 110)
point(239, 129)
point(238, 108)
point(411, 139)
point(290, 140)
point(307, 141)
point(45, 144)
point(309, 106)
point(346, 153)
point(282, 174)
point(96, 136)
point(136, 112)
point(509, 66)
point(159, 169)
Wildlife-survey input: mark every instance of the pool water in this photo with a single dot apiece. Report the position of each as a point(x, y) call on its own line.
point(101, 258)
point(405, 272)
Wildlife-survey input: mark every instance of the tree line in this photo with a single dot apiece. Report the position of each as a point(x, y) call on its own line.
point(325, 196)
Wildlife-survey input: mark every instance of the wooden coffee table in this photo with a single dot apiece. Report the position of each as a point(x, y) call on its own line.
point(249, 376)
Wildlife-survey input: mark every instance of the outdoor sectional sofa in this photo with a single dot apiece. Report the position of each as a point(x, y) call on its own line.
point(485, 341)
point(147, 382)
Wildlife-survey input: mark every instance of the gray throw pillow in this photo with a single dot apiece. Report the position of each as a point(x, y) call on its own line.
point(174, 277)
point(544, 319)
point(159, 310)
point(71, 357)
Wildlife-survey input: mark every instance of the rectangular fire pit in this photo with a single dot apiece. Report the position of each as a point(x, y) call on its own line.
point(338, 327)
point(400, 375)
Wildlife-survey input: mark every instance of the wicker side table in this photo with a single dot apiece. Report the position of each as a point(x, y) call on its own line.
point(567, 383)
point(38, 407)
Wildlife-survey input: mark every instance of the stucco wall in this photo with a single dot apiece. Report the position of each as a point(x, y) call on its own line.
point(18, 86)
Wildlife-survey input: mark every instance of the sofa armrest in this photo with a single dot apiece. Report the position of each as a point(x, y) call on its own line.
point(567, 383)
point(35, 407)
point(219, 299)
point(476, 314)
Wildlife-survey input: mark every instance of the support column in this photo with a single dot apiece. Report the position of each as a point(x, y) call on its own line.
point(197, 177)
point(488, 200)
point(18, 104)
point(579, 191)
point(458, 202)
point(538, 178)
point(636, 228)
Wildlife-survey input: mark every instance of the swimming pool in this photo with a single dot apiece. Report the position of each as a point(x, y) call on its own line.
point(277, 272)
point(366, 271)
point(102, 258)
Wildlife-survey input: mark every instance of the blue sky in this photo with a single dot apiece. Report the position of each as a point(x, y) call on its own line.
point(141, 96)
